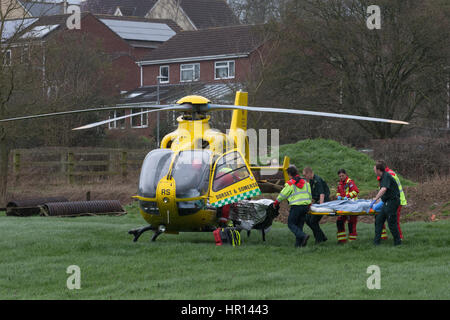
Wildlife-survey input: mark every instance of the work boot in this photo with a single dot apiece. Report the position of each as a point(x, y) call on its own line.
point(305, 240)
point(321, 240)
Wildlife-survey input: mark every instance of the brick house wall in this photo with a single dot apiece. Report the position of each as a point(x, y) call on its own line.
point(207, 71)
point(114, 45)
point(123, 55)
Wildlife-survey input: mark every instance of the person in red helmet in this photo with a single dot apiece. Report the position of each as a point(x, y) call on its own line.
point(346, 190)
point(224, 178)
point(197, 164)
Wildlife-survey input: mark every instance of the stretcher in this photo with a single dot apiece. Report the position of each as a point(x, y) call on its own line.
point(343, 208)
point(344, 213)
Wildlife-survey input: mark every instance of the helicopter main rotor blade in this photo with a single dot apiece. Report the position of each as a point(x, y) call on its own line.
point(99, 123)
point(44, 115)
point(303, 112)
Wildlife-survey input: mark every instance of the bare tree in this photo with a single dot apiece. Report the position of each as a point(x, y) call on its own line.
point(257, 11)
point(330, 60)
point(13, 67)
point(66, 70)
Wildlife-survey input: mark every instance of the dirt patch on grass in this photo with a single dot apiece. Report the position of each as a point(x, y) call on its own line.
point(427, 199)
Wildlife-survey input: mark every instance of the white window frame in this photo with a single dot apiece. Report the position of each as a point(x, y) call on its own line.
point(25, 55)
point(114, 124)
point(228, 68)
point(7, 62)
point(142, 116)
point(161, 76)
point(193, 71)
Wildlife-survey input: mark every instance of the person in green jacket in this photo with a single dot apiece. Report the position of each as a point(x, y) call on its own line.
point(297, 192)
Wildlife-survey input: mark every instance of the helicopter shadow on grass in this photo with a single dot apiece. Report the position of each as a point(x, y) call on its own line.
point(255, 239)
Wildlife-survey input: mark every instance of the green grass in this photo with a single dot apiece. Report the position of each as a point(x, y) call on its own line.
point(326, 157)
point(36, 251)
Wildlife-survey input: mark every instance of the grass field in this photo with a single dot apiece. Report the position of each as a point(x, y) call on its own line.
point(35, 252)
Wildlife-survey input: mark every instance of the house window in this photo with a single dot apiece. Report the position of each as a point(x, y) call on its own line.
point(164, 74)
point(118, 124)
point(190, 72)
point(139, 121)
point(25, 58)
point(7, 58)
point(224, 70)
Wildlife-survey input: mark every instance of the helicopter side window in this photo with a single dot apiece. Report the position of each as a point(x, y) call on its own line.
point(155, 166)
point(230, 169)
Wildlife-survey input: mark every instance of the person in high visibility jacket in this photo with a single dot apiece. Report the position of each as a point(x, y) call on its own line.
point(346, 190)
point(297, 192)
point(403, 201)
point(390, 195)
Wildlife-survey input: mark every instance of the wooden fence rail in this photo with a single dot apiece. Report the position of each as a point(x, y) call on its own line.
point(78, 163)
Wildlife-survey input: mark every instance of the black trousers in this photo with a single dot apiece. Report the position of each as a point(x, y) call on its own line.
point(388, 212)
point(312, 221)
point(296, 221)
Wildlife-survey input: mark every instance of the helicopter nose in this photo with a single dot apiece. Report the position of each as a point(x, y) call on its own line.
point(165, 197)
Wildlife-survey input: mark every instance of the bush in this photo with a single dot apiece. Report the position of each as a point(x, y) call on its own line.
point(416, 157)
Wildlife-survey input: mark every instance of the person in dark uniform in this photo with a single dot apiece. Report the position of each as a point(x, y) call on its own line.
point(390, 195)
point(320, 194)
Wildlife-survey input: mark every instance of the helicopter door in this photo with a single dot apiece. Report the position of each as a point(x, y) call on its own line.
point(233, 180)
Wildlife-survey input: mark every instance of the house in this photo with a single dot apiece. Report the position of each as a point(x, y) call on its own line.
point(12, 9)
point(142, 34)
point(212, 62)
point(124, 39)
point(188, 14)
point(214, 55)
point(18, 9)
point(39, 9)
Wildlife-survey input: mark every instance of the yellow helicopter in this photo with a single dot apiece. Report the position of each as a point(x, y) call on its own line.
point(198, 170)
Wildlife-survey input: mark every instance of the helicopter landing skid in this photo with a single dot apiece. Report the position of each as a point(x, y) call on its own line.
point(138, 232)
point(263, 234)
point(156, 234)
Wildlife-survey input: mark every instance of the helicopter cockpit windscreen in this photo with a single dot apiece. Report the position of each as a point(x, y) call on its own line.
point(156, 165)
point(191, 173)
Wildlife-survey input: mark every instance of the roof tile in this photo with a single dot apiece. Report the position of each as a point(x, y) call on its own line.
point(208, 42)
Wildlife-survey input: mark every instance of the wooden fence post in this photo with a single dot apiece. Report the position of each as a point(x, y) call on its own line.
point(123, 164)
point(70, 165)
point(16, 160)
point(109, 165)
point(63, 160)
